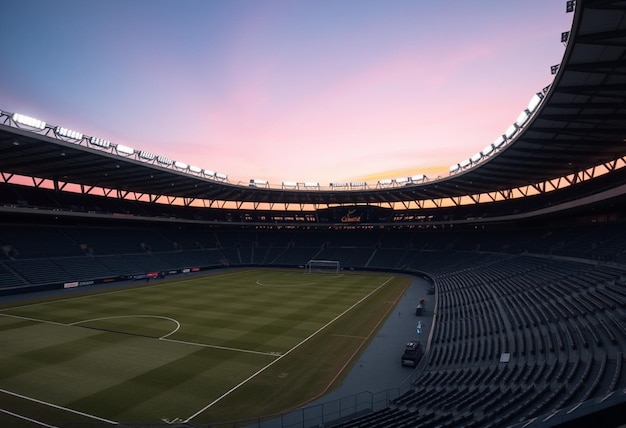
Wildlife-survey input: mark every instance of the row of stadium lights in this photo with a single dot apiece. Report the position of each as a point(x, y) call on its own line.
point(69, 134)
point(123, 150)
point(465, 164)
point(508, 135)
point(120, 149)
point(511, 131)
point(492, 148)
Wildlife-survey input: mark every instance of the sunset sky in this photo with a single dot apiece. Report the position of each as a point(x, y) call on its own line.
point(283, 90)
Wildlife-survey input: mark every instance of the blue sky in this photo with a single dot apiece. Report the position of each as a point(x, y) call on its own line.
point(290, 90)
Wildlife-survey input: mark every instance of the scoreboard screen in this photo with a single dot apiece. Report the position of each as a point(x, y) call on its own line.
point(355, 214)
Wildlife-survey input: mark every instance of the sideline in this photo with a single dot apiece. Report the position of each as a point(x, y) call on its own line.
point(67, 409)
point(303, 284)
point(252, 376)
point(34, 421)
point(378, 369)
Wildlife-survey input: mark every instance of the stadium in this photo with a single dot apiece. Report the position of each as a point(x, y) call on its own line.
point(140, 291)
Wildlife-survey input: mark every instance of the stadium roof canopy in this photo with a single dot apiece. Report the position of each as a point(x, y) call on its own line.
point(581, 123)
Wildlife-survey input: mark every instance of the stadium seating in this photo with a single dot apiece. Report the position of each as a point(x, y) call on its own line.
point(554, 302)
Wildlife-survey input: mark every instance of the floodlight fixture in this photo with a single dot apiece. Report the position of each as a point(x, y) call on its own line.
point(465, 163)
point(554, 69)
point(31, 122)
point(535, 101)
point(180, 165)
point(454, 168)
point(522, 118)
point(209, 173)
point(339, 184)
point(402, 180)
point(94, 141)
point(476, 157)
point(358, 184)
point(570, 6)
point(565, 37)
point(164, 161)
point(195, 169)
point(418, 177)
point(125, 150)
point(68, 133)
point(310, 184)
point(487, 150)
point(499, 141)
point(221, 176)
point(146, 155)
point(290, 184)
point(258, 182)
point(510, 131)
point(385, 182)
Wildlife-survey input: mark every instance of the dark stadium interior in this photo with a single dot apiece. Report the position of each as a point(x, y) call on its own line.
point(540, 278)
point(552, 295)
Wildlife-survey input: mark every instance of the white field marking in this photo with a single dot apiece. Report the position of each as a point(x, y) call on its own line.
point(356, 351)
point(283, 285)
point(225, 348)
point(124, 290)
point(36, 422)
point(33, 319)
point(164, 338)
point(133, 316)
point(262, 369)
point(350, 336)
point(171, 421)
point(335, 275)
point(67, 409)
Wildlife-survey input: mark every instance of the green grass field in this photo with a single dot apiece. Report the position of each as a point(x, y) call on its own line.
point(224, 346)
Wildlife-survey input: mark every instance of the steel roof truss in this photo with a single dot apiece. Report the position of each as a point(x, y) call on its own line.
point(6, 177)
point(37, 182)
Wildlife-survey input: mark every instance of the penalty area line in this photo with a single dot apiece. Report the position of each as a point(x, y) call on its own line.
point(225, 348)
point(262, 369)
point(56, 406)
point(33, 319)
point(34, 421)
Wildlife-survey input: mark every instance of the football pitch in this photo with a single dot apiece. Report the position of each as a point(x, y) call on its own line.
point(200, 349)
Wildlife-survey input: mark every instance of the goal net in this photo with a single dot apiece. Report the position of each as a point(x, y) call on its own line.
point(323, 266)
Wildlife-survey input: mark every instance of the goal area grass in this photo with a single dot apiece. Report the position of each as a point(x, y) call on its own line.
point(228, 345)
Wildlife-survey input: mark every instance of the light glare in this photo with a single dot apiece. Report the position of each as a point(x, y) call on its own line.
point(164, 161)
point(105, 144)
point(68, 133)
point(28, 121)
point(120, 148)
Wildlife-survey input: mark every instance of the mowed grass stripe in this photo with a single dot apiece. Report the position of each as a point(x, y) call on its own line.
point(226, 310)
point(9, 323)
point(313, 368)
point(33, 337)
point(259, 323)
point(190, 379)
point(41, 412)
point(68, 371)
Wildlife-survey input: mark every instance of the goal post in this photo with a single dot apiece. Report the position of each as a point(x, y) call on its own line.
point(323, 266)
